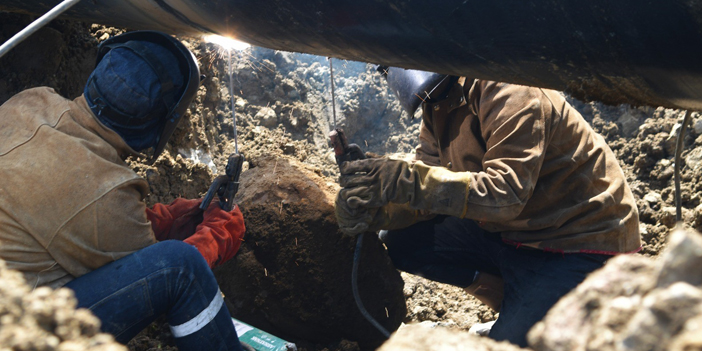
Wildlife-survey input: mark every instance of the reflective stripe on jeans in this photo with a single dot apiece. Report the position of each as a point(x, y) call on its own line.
point(201, 320)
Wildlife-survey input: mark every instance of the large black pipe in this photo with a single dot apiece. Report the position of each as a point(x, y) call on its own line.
point(642, 52)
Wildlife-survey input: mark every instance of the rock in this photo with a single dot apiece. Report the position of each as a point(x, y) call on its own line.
point(661, 315)
point(697, 216)
point(591, 316)
point(630, 121)
point(689, 338)
point(292, 276)
point(46, 319)
point(418, 337)
point(652, 197)
point(667, 216)
point(694, 158)
point(241, 104)
point(682, 259)
point(267, 117)
point(289, 149)
point(632, 304)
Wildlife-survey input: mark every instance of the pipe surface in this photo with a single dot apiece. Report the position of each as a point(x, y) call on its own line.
point(36, 25)
point(623, 51)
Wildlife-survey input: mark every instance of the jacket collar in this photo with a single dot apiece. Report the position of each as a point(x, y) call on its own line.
point(455, 99)
point(91, 122)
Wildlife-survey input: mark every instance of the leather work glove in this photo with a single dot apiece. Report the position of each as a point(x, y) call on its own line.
point(376, 182)
point(389, 217)
point(352, 221)
point(220, 234)
point(177, 220)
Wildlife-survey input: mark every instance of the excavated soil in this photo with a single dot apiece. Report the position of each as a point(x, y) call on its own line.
point(283, 107)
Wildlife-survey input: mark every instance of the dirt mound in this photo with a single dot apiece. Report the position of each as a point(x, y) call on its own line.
point(46, 320)
point(292, 276)
point(632, 304)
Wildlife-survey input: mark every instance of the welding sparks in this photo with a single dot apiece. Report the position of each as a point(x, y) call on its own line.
point(226, 43)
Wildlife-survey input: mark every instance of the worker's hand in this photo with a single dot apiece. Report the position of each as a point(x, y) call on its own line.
point(220, 234)
point(175, 221)
point(376, 182)
point(351, 221)
point(372, 182)
point(389, 217)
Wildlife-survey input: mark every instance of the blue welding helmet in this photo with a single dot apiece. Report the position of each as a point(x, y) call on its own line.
point(412, 87)
point(141, 87)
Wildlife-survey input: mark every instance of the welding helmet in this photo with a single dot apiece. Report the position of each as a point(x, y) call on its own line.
point(412, 87)
point(141, 87)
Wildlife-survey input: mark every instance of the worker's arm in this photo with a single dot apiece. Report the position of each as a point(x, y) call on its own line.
point(513, 122)
point(428, 150)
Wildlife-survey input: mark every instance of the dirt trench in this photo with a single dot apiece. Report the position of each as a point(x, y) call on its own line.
point(283, 109)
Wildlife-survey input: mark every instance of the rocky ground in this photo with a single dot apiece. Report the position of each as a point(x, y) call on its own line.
point(283, 108)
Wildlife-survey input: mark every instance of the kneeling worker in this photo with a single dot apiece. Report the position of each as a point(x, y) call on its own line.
point(72, 212)
point(512, 196)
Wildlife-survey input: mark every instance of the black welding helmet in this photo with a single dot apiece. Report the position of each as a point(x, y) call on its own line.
point(412, 87)
point(141, 87)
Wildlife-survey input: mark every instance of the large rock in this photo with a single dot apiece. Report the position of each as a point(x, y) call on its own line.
point(632, 304)
point(46, 320)
point(292, 276)
point(418, 337)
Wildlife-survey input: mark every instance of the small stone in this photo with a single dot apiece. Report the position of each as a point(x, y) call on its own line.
point(667, 216)
point(289, 149)
point(268, 117)
point(697, 126)
point(652, 197)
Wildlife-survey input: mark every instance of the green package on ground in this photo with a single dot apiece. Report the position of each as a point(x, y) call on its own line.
point(260, 340)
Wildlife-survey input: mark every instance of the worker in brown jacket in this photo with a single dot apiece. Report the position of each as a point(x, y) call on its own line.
point(72, 212)
point(512, 195)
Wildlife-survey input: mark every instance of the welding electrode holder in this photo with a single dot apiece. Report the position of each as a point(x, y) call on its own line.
point(226, 185)
point(343, 151)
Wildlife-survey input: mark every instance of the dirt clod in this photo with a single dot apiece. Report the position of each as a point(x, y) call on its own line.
point(46, 320)
point(293, 273)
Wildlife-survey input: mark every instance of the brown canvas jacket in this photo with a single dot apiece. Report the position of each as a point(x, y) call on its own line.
point(68, 202)
point(540, 175)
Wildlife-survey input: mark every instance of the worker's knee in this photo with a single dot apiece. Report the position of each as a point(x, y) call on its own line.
point(401, 251)
point(175, 253)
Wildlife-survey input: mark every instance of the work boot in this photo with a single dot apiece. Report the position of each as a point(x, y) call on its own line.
point(489, 289)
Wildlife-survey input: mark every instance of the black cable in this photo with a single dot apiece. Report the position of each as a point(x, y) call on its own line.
point(354, 285)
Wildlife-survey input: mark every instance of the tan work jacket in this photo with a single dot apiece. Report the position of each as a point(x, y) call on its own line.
point(540, 175)
point(68, 202)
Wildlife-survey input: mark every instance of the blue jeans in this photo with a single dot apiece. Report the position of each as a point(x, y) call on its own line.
point(451, 250)
point(168, 278)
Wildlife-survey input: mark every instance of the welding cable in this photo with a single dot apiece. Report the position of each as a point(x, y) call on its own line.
point(36, 25)
point(354, 285)
point(678, 152)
